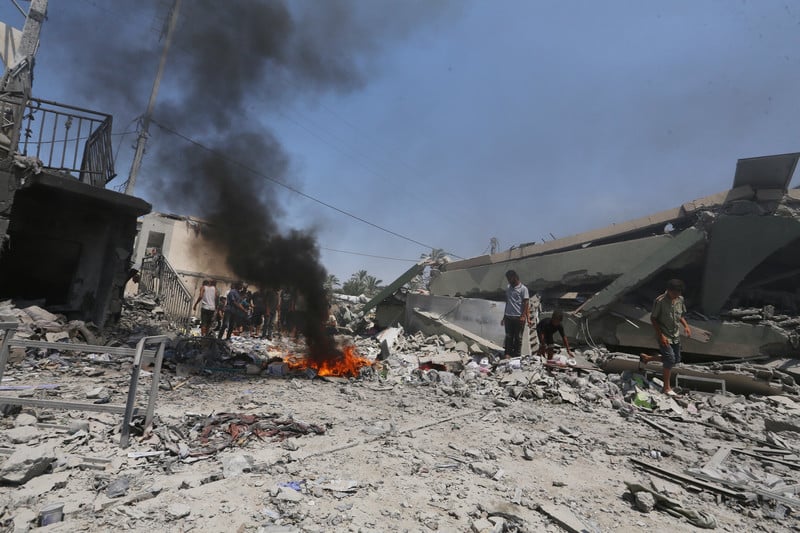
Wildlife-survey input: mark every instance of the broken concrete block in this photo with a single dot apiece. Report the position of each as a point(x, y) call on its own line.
point(481, 525)
point(78, 425)
point(24, 419)
point(176, 511)
point(645, 501)
point(483, 469)
point(784, 424)
point(23, 519)
point(118, 487)
point(22, 434)
point(43, 484)
point(461, 347)
point(27, 463)
point(97, 392)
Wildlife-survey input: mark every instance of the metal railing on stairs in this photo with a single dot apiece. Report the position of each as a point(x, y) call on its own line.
point(158, 278)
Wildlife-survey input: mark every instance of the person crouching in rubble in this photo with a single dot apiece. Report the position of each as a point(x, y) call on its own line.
point(667, 318)
point(515, 315)
point(546, 330)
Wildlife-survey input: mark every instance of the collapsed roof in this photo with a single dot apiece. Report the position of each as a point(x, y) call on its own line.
point(737, 248)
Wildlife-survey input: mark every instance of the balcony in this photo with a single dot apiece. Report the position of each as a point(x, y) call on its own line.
point(68, 140)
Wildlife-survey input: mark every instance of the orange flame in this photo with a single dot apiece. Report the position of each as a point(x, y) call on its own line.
point(347, 365)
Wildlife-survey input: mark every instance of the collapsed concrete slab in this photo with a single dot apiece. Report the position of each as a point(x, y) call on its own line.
point(738, 248)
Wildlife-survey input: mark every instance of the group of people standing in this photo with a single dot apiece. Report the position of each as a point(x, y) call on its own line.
point(667, 317)
point(242, 311)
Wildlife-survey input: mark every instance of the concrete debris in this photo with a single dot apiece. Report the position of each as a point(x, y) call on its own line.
point(460, 439)
point(27, 462)
point(743, 303)
point(176, 511)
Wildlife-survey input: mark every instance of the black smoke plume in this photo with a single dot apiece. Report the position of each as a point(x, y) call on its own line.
point(231, 62)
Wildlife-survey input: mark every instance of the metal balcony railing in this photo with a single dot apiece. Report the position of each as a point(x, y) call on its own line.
point(69, 139)
point(157, 277)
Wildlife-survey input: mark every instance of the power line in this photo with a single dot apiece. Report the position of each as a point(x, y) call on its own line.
point(369, 255)
point(287, 186)
point(371, 165)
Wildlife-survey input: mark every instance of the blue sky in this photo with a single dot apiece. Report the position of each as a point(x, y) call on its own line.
point(510, 119)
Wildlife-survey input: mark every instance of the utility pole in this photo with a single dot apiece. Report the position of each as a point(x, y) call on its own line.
point(18, 56)
point(144, 127)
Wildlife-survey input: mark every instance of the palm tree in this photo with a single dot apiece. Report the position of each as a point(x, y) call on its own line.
point(360, 276)
point(352, 288)
point(372, 285)
point(436, 256)
point(357, 284)
point(331, 282)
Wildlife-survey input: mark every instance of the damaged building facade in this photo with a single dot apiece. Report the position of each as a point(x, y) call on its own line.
point(65, 239)
point(175, 255)
point(182, 241)
point(738, 252)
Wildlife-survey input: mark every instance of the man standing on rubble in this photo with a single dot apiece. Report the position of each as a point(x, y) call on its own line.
point(234, 312)
point(271, 301)
point(667, 318)
point(208, 305)
point(515, 315)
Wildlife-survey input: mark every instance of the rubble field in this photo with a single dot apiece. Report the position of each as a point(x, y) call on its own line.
point(430, 437)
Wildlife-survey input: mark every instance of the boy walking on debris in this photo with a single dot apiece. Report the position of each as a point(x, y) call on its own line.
point(667, 318)
point(515, 315)
point(546, 330)
point(219, 314)
point(208, 300)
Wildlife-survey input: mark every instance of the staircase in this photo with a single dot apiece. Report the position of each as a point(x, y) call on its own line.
point(158, 278)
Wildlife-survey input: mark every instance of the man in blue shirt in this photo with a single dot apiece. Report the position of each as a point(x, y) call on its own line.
point(515, 315)
point(234, 311)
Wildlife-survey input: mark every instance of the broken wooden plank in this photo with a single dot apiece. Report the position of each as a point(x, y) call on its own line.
point(790, 464)
point(687, 480)
point(792, 502)
point(716, 461)
point(662, 429)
